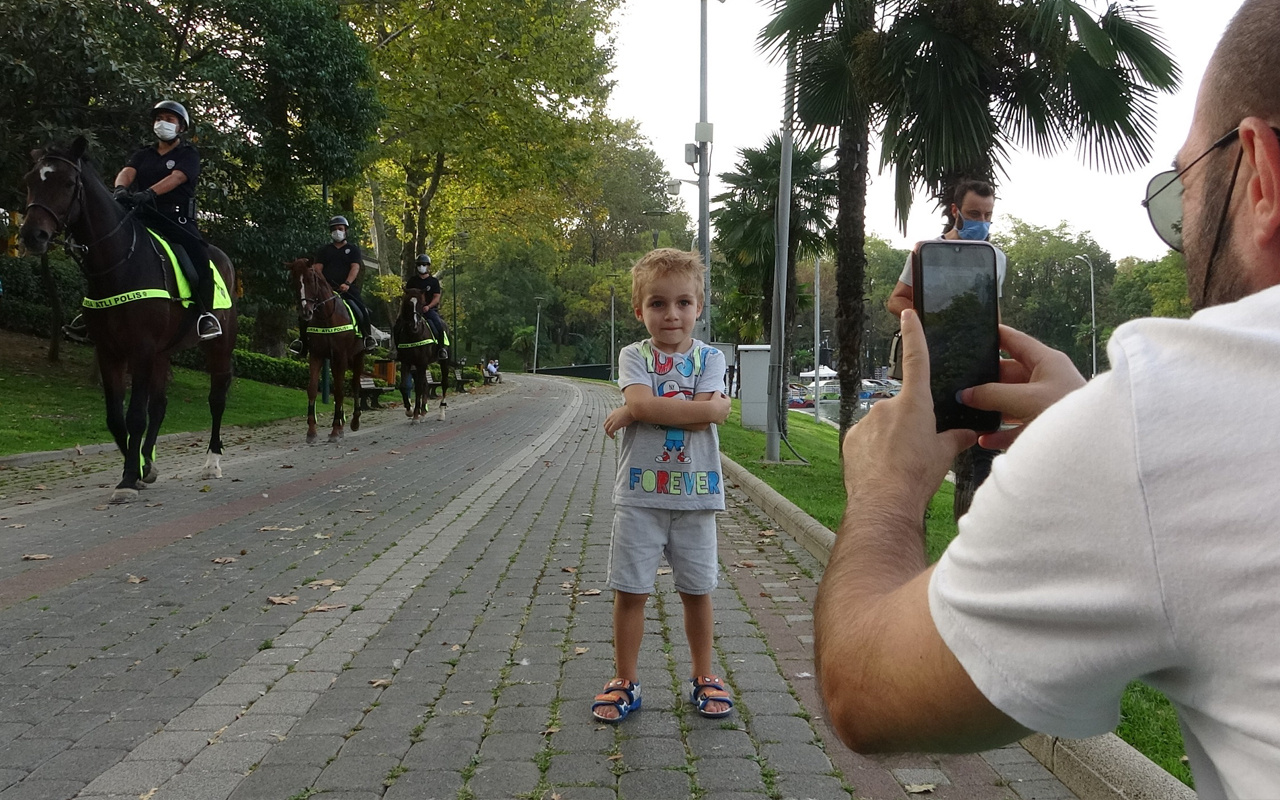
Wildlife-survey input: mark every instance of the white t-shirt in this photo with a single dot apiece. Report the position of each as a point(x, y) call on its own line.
point(1133, 532)
point(1002, 265)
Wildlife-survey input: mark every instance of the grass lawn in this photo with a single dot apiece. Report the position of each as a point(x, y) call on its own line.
point(47, 406)
point(1148, 722)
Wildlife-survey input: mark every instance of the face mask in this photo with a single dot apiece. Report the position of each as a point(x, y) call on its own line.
point(165, 131)
point(338, 236)
point(422, 270)
point(973, 229)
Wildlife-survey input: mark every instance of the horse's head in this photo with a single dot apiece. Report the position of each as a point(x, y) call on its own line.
point(412, 302)
point(55, 194)
point(313, 291)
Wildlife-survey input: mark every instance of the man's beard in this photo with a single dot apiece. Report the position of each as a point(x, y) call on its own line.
point(1221, 279)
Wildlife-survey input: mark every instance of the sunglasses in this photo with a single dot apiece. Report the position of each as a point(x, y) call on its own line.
point(1164, 194)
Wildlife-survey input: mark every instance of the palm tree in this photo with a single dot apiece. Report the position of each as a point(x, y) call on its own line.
point(954, 86)
point(746, 232)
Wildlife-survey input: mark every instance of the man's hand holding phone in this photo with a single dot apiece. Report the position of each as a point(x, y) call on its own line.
point(1034, 377)
point(895, 450)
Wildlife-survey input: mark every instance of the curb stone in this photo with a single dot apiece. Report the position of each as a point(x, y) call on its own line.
point(1098, 768)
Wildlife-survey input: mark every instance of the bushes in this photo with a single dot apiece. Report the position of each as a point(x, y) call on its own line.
point(254, 367)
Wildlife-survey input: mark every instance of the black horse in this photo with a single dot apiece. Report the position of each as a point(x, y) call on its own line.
point(134, 325)
point(416, 350)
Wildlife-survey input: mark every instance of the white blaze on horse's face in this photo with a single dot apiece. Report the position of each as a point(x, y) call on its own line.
point(302, 296)
point(45, 171)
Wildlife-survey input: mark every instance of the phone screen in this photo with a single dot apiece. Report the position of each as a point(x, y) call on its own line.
point(957, 297)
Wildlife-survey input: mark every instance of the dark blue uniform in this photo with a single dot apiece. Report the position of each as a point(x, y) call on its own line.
point(174, 215)
point(335, 263)
point(429, 285)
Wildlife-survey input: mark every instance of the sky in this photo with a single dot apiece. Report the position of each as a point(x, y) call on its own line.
point(657, 84)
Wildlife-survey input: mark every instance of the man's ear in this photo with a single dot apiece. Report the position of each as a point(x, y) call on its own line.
point(1261, 151)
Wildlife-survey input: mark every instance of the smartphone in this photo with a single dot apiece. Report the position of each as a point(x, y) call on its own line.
point(956, 294)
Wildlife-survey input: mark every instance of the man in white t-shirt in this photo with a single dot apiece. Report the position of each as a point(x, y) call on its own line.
point(1132, 530)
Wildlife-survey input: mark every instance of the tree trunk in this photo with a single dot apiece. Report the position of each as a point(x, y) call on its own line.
point(270, 328)
point(851, 260)
point(55, 308)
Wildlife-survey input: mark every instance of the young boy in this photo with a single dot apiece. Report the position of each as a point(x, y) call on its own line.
point(669, 487)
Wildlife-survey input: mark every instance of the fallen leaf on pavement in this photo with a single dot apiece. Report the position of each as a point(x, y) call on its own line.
point(323, 536)
point(275, 528)
point(765, 594)
point(577, 651)
point(101, 508)
point(135, 579)
point(664, 571)
point(321, 583)
point(283, 600)
point(566, 585)
point(324, 607)
point(17, 525)
point(394, 452)
point(615, 757)
point(225, 560)
point(455, 648)
point(570, 570)
point(206, 488)
point(919, 788)
point(35, 556)
point(550, 731)
point(154, 505)
point(368, 494)
point(286, 466)
point(590, 593)
point(363, 510)
point(745, 564)
point(767, 533)
point(380, 683)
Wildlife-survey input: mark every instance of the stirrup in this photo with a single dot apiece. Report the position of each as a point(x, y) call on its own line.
point(296, 347)
point(208, 327)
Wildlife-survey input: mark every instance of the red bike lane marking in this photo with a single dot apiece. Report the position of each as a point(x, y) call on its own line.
point(65, 570)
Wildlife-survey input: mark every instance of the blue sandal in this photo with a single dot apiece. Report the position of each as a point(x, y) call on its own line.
point(706, 689)
point(609, 697)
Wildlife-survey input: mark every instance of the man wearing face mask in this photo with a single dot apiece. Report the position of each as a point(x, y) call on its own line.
point(165, 176)
point(971, 211)
point(429, 285)
point(340, 263)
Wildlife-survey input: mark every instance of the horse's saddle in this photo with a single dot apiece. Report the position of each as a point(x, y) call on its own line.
point(177, 286)
point(349, 326)
point(416, 335)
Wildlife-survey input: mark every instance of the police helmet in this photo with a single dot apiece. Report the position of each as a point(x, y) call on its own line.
point(424, 259)
point(174, 107)
point(339, 220)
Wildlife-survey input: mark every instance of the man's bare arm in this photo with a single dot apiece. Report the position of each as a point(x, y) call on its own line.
point(888, 678)
point(900, 299)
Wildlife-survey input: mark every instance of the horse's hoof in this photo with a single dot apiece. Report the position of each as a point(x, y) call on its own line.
point(335, 437)
point(407, 412)
point(212, 467)
point(355, 424)
point(413, 420)
point(124, 496)
point(311, 438)
point(151, 475)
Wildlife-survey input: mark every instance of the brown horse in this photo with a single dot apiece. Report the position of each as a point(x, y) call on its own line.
point(135, 326)
point(416, 350)
point(331, 334)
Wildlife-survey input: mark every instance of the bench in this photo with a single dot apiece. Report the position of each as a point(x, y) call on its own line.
point(489, 379)
point(370, 393)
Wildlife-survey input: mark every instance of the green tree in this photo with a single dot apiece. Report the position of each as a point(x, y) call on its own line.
point(953, 87)
point(1046, 290)
point(1156, 288)
point(488, 93)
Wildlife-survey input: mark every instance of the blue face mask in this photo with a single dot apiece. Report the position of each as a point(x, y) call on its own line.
point(973, 229)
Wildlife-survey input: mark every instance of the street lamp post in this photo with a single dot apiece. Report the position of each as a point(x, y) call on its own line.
point(1093, 314)
point(537, 333)
point(613, 328)
point(655, 213)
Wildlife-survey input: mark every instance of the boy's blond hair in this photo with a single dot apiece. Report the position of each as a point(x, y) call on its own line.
point(661, 263)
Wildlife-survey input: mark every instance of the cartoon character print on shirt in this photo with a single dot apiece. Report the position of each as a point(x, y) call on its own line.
point(674, 442)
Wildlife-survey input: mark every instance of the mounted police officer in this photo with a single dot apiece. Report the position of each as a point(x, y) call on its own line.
point(429, 285)
point(165, 176)
point(340, 264)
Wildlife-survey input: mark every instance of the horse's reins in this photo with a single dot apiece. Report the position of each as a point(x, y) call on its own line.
point(72, 247)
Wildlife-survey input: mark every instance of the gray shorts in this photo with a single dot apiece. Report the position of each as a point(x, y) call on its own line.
point(641, 536)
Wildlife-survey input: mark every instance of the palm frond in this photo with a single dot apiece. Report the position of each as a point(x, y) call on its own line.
point(795, 20)
point(1140, 46)
point(1114, 114)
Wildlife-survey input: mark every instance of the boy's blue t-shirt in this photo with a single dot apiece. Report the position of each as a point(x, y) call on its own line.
point(663, 467)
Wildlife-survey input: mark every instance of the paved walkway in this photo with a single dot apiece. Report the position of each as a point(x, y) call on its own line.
point(416, 613)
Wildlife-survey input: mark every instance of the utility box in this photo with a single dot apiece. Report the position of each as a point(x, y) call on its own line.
point(753, 385)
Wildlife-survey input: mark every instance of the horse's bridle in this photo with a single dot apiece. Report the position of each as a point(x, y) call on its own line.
point(306, 304)
point(75, 198)
point(78, 197)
